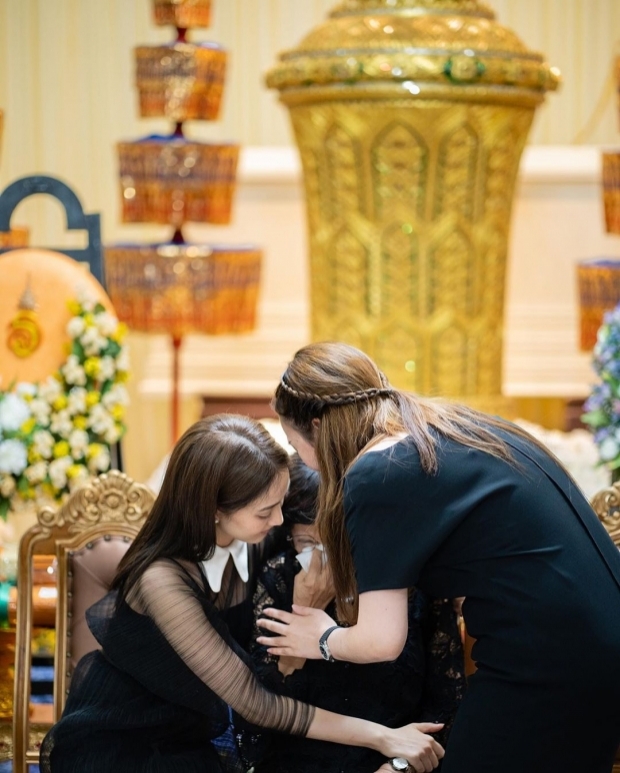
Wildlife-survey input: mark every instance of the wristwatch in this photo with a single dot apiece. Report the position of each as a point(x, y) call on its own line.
point(400, 763)
point(324, 646)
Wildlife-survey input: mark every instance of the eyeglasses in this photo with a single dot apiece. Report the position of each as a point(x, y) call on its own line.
point(302, 544)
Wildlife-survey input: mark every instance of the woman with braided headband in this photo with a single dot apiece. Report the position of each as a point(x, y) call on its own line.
point(416, 492)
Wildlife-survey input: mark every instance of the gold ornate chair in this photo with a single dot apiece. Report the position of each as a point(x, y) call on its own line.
point(88, 535)
point(606, 504)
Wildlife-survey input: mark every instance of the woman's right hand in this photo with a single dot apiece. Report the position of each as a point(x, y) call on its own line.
point(412, 743)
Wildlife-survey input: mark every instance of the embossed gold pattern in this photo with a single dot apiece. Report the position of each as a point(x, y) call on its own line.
point(109, 499)
point(411, 117)
point(420, 41)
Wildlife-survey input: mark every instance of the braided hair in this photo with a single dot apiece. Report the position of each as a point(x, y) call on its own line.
point(343, 398)
point(337, 398)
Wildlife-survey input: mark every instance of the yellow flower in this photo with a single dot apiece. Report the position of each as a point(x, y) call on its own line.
point(28, 494)
point(75, 470)
point(33, 456)
point(48, 489)
point(93, 449)
point(117, 411)
point(29, 425)
point(80, 422)
point(60, 403)
point(120, 333)
point(92, 366)
point(74, 307)
point(92, 398)
point(61, 448)
point(89, 319)
point(121, 377)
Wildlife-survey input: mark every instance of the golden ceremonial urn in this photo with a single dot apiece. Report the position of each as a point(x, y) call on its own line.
point(411, 116)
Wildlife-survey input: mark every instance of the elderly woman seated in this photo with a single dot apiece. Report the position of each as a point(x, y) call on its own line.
point(425, 683)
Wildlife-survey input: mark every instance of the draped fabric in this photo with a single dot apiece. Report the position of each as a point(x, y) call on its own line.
point(158, 693)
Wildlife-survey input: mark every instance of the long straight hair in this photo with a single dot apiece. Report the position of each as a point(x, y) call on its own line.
point(222, 463)
point(344, 388)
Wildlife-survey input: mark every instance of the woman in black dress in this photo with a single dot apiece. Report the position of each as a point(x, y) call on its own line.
point(425, 683)
point(415, 492)
point(162, 688)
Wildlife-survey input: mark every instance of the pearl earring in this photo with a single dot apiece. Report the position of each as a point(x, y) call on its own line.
point(217, 520)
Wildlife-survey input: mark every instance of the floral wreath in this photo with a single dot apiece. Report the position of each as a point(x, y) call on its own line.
point(57, 433)
point(602, 408)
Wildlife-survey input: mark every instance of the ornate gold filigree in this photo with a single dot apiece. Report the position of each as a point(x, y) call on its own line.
point(458, 44)
point(110, 498)
point(462, 6)
point(411, 117)
point(606, 505)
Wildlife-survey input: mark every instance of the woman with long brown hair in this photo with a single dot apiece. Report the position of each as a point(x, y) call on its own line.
point(416, 492)
point(168, 674)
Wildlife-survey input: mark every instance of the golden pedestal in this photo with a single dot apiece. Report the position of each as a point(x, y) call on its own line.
point(411, 116)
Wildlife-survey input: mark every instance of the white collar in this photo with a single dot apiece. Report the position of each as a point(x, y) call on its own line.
point(214, 567)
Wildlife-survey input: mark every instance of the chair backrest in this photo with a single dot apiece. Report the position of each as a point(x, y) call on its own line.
point(606, 504)
point(88, 536)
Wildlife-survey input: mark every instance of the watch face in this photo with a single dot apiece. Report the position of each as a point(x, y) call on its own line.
point(399, 763)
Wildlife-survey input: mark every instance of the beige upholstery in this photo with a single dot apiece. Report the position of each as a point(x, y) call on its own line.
point(91, 571)
point(606, 504)
point(88, 536)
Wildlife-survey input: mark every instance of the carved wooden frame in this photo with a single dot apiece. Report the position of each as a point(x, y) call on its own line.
point(111, 504)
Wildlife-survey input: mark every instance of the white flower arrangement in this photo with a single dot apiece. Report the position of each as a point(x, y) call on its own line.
point(55, 434)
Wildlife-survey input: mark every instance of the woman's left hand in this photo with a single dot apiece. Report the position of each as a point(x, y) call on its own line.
point(297, 633)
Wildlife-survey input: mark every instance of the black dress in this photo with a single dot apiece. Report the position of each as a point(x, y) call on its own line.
point(158, 693)
point(542, 581)
point(425, 684)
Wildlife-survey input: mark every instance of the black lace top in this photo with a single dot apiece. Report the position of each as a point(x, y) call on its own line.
point(425, 683)
point(159, 690)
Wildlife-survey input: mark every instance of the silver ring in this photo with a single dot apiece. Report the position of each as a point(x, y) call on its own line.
point(400, 764)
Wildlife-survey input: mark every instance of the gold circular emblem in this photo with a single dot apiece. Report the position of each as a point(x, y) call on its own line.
point(24, 334)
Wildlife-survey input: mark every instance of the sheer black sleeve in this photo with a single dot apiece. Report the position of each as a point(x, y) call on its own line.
point(167, 598)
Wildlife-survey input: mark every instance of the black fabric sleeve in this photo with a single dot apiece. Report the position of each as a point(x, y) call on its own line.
point(396, 516)
point(164, 595)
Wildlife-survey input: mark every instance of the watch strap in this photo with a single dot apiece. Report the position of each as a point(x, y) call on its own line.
point(323, 646)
